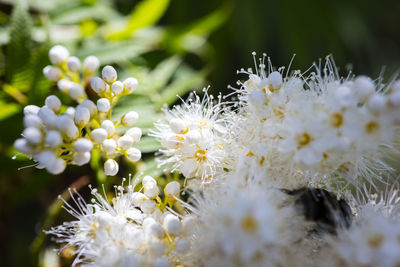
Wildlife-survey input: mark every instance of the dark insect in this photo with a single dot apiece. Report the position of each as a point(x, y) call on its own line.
point(322, 207)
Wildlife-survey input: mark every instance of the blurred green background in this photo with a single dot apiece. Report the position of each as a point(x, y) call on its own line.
point(172, 47)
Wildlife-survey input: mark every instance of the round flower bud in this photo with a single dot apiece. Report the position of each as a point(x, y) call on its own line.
point(83, 145)
point(31, 109)
point(133, 154)
point(148, 206)
point(117, 87)
point(157, 249)
point(377, 102)
point(53, 139)
point(53, 103)
point(46, 158)
point(77, 92)
point(21, 144)
point(135, 133)
point(172, 224)
point(64, 85)
point(109, 127)
point(47, 116)
point(275, 79)
point(70, 112)
point(130, 85)
point(109, 74)
point(52, 73)
point(98, 135)
point(67, 126)
point(90, 106)
point(103, 105)
point(125, 142)
point(58, 54)
point(109, 145)
point(138, 198)
point(364, 87)
point(151, 190)
point(32, 135)
point(74, 64)
point(187, 224)
point(82, 116)
point(182, 245)
point(98, 85)
point(130, 118)
point(57, 167)
point(188, 168)
point(172, 188)
point(148, 180)
point(111, 167)
point(153, 227)
point(170, 141)
point(32, 121)
point(81, 158)
point(178, 126)
point(91, 64)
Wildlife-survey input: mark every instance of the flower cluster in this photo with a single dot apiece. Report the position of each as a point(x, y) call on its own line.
point(193, 138)
point(137, 228)
point(55, 135)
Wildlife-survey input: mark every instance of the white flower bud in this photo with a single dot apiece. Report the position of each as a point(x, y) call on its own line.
point(21, 144)
point(182, 245)
point(98, 85)
point(178, 126)
point(31, 110)
point(82, 116)
point(64, 85)
point(157, 249)
point(172, 224)
point(32, 135)
point(81, 158)
point(53, 103)
point(275, 79)
point(109, 74)
point(91, 64)
point(148, 180)
point(377, 102)
point(161, 262)
point(90, 106)
point(32, 121)
point(394, 98)
point(53, 139)
point(172, 188)
point(135, 133)
point(109, 127)
point(117, 87)
point(70, 112)
point(57, 167)
point(58, 54)
point(125, 142)
point(47, 116)
point(187, 224)
point(103, 105)
point(130, 85)
point(52, 73)
point(193, 137)
point(151, 190)
point(67, 126)
point(155, 229)
point(77, 92)
point(109, 145)
point(83, 145)
point(46, 158)
point(188, 168)
point(111, 167)
point(98, 135)
point(148, 206)
point(364, 87)
point(73, 64)
point(138, 198)
point(130, 118)
point(133, 154)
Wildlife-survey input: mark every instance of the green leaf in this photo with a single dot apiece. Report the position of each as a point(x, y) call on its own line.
point(18, 48)
point(100, 12)
point(8, 109)
point(148, 144)
point(146, 13)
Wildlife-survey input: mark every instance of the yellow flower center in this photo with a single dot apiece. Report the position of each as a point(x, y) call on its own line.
point(249, 224)
point(303, 139)
point(371, 127)
point(200, 155)
point(336, 120)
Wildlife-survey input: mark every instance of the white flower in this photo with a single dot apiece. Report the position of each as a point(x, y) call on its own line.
point(117, 87)
point(58, 54)
point(125, 142)
point(130, 118)
point(111, 167)
point(135, 133)
point(109, 74)
point(98, 85)
point(52, 73)
point(172, 188)
point(98, 135)
point(57, 167)
point(53, 139)
point(172, 224)
point(81, 116)
point(109, 145)
point(103, 105)
point(90, 106)
point(130, 85)
point(31, 120)
point(31, 110)
point(83, 145)
point(32, 135)
point(133, 154)
point(53, 103)
point(64, 85)
point(81, 158)
point(109, 127)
